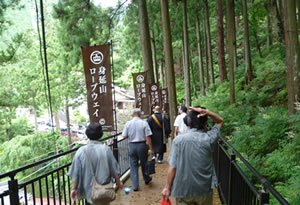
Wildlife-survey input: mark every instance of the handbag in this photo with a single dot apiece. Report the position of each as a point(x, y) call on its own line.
point(150, 167)
point(165, 202)
point(99, 192)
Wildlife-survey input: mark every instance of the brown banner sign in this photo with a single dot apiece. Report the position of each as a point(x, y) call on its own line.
point(96, 62)
point(165, 100)
point(141, 92)
point(154, 95)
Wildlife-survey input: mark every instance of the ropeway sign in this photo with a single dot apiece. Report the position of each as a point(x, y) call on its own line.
point(97, 69)
point(141, 90)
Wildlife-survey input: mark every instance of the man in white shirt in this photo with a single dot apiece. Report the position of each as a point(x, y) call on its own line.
point(180, 126)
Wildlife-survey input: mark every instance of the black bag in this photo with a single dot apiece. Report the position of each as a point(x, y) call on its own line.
point(150, 167)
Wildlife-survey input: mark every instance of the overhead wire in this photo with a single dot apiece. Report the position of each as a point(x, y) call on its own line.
point(41, 55)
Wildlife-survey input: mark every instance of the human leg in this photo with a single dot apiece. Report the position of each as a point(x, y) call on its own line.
point(143, 156)
point(134, 174)
point(160, 157)
point(196, 200)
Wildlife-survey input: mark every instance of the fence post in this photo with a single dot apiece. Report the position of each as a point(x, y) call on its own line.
point(115, 148)
point(13, 191)
point(232, 158)
point(263, 197)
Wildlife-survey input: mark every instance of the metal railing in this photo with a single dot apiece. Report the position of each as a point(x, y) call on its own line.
point(235, 187)
point(53, 187)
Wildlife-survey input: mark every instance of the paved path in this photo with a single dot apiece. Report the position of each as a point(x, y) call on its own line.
point(149, 194)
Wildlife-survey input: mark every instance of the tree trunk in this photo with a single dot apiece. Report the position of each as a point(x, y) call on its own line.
point(299, 14)
point(270, 31)
point(200, 58)
point(187, 83)
point(57, 124)
point(153, 48)
point(206, 55)
point(145, 40)
point(68, 127)
point(292, 55)
point(193, 76)
point(162, 74)
point(221, 50)
point(34, 113)
point(168, 53)
point(231, 42)
point(280, 27)
point(210, 56)
point(249, 73)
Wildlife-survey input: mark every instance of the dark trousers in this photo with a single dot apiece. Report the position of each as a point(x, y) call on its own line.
point(138, 152)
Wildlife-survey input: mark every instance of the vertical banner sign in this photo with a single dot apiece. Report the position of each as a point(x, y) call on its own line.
point(97, 69)
point(141, 92)
point(154, 95)
point(165, 100)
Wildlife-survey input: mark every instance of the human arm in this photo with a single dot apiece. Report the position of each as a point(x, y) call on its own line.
point(167, 189)
point(149, 143)
point(74, 191)
point(125, 132)
point(215, 117)
point(176, 131)
point(119, 183)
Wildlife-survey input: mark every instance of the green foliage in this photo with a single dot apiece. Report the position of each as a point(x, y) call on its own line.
point(258, 125)
point(18, 127)
point(29, 147)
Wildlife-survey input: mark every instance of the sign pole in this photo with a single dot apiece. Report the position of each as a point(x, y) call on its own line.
point(115, 144)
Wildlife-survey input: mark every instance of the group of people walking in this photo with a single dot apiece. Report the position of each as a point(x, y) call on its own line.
point(191, 174)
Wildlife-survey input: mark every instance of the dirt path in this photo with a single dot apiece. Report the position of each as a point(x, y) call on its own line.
point(149, 194)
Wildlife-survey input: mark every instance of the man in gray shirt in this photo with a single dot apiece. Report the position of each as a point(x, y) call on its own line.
point(103, 162)
point(138, 133)
point(191, 175)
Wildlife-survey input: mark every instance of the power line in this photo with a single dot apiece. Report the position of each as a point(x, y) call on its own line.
point(41, 55)
point(46, 63)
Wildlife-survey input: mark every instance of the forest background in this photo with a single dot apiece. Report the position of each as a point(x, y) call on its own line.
point(250, 83)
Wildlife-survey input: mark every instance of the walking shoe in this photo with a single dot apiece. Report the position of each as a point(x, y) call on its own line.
point(153, 157)
point(148, 181)
point(159, 161)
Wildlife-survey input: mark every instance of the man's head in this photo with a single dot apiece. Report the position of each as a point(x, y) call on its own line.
point(136, 112)
point(183, 109)
point(193, 121)
point(157, 109)
point(94, 131)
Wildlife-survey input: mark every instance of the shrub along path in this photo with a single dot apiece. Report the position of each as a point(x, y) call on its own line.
point(150, 194)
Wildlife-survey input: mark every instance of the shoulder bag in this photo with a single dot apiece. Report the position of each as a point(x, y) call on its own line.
point(100, 193)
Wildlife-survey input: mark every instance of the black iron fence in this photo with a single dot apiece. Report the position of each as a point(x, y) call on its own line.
point(235, 188)
point(53, 187)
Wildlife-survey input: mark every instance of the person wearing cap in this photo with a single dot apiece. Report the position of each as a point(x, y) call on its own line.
point(191, 174)
point(179, 125)
point(105, 166)
point(160, 127)
point(138, 133)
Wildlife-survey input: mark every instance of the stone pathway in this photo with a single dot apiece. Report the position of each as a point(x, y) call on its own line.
point(150, 194)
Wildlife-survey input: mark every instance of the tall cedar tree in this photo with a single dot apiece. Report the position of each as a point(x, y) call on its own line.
point(200, 57)
point(168, 53)
point(145, 40)
point(247, 50)
point(221, 49)
point(209, 47)
point(186, 67)
point(292, 55)
point(231, 46)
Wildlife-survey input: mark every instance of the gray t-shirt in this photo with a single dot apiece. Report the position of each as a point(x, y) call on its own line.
point(104, 165)
point(191, 155)
point(136, 130)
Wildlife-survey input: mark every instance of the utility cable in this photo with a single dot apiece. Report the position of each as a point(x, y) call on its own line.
point(41, 55)
point(42, 168)
point(37, 157)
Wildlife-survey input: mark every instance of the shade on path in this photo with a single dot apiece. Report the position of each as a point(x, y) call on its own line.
point(150, 194)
